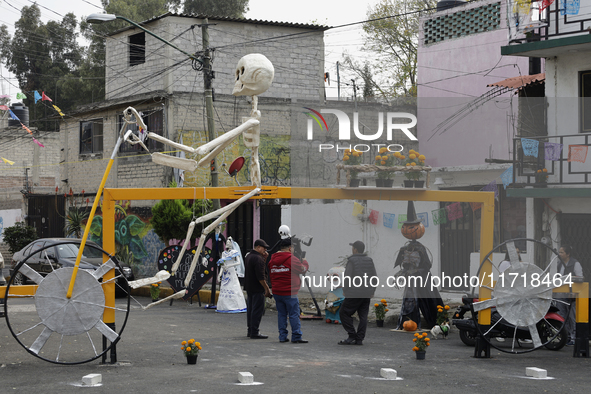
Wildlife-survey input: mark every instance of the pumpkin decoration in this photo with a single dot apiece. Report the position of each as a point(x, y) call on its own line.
point(409, 325)
point(413, 230)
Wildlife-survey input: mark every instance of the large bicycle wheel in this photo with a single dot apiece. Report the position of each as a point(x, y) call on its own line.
point(63, 330)
point(522, 296)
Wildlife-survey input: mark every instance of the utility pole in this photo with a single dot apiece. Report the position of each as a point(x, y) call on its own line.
point(208, 92)
point(338, 83)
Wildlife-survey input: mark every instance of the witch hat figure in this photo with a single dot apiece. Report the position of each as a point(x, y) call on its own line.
point(414, 260)
point(412, 228)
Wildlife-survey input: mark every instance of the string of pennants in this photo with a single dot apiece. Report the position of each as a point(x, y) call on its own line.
point(21, 96)
point(553, 151)
point(449, 213)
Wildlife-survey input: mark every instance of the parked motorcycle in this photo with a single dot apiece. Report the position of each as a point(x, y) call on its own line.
point(552, 325)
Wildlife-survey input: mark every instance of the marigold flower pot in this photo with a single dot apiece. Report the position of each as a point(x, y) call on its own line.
point(192, 359)
point(380, 323)
point(421, 354)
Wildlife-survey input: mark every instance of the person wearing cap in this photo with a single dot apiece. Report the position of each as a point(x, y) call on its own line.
point(285, 270)
point(357, 298)
point(255, 284)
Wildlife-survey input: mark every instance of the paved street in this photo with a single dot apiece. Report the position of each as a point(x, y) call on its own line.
point(150, 361)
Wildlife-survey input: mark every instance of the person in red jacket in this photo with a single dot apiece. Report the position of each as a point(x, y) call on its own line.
point(284, 271)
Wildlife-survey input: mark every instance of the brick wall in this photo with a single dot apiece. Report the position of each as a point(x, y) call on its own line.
point(298, 60)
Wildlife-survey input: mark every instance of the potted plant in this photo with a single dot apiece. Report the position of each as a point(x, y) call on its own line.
point(155, 291)
point(421, 342)
point(541, 177)
point(352, 158)
point(414, 159)
point(380, 309)
point(191, 350)
point(385, 159)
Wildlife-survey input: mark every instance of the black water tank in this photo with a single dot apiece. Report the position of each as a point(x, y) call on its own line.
point(447, 4)
point(21, 112)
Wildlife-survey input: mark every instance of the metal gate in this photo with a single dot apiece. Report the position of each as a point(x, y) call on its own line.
point(457, 242)
point(575, 230)
point(270, 223)
point(240, 226)
point(47, 215)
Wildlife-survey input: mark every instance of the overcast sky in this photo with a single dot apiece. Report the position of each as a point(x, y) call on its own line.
point(326, 12)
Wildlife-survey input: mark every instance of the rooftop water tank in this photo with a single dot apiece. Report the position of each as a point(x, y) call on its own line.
point(21, 112)
point(447, 4)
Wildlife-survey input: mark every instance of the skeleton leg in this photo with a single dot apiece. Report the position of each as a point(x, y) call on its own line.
point(159, 277)
point(225, 211)
point(178, 294)
point(175, 266)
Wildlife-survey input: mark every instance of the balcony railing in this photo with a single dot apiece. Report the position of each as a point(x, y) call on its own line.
point(569, 167)
point(561, 18)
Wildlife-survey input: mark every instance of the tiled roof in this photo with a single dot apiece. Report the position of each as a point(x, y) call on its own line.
point(521, 81)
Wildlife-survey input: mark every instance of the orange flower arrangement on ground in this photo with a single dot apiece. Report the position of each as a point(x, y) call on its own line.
point(421, 342)
point(190, 347)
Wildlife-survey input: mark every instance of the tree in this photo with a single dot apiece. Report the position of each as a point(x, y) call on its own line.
point(19, 236)
point(393, 35)
point(230, 8)
point(40, 55)
point(367, 82)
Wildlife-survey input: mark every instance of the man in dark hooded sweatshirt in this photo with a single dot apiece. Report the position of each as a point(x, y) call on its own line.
point(357, 297)
point(285, 270)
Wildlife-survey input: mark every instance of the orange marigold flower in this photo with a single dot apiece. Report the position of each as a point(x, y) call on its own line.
point(376, 304)
point(545, 170)
point(414, 339)
point(422, 157)
point(446, 307)
point(416, 334)
point(182, 348)
point(415, 348)
point(183, 343)
point(378, 158)
point(191, 340)
point(345, 158)
point(382, 162)
point(427, 339)
point(412, 156)
point(413, 164)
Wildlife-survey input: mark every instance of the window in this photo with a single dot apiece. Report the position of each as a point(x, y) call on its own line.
point(585, 104)
point(91, 136)
point(137, 49)
point(154, 120)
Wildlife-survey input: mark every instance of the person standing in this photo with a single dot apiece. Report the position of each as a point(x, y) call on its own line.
point(255, 284)
point(357, 298)
point(285, 270)
point(569, 265)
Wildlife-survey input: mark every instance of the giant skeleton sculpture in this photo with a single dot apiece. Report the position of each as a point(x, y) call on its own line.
point(254, 74)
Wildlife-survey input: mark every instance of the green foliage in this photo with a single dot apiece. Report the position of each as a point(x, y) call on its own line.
point(19, 236)
point(395, 39)
point(171, 218)
point(42, 56)
point(230, 8)
point(74, 220)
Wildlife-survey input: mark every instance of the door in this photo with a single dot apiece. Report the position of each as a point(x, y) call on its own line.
point(47, 215)
point(457, 242)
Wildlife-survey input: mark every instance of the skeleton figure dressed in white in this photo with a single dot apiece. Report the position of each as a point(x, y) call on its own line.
point(231, 298)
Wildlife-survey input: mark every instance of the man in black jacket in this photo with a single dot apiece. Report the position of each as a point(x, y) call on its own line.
point(255, 284)
point(358, 292)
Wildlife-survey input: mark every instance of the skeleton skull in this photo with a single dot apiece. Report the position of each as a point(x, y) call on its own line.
point(284, 231)
point(254, 74)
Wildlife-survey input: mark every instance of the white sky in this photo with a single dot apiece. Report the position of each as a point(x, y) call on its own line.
point(327, 12)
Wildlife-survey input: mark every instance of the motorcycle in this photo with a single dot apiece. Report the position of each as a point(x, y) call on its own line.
point(547, 327)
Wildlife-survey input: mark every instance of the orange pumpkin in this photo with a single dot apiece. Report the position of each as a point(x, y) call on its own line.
point(409, 325)
point(413, 230)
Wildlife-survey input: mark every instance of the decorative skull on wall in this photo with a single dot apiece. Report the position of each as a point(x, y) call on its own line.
point(254, 74)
